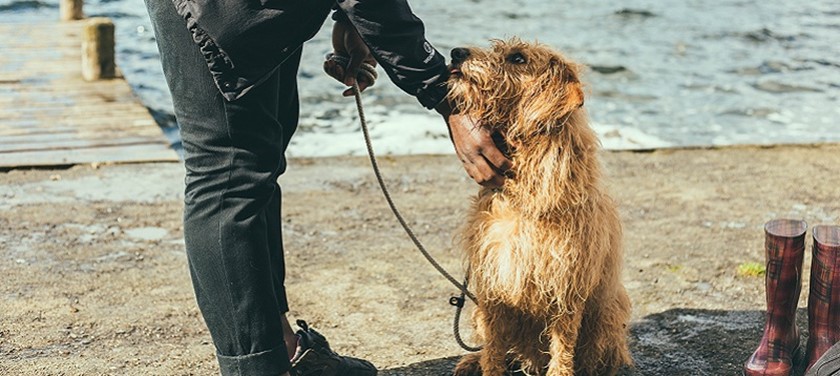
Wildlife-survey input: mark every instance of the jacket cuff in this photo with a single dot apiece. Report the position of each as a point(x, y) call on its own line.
point(432, 95)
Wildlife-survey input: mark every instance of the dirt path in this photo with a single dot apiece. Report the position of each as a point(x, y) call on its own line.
point(95, 279)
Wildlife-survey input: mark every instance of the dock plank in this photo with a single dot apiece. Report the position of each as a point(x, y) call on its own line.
point(116, 154)
point(50, 116)
point(65, 143)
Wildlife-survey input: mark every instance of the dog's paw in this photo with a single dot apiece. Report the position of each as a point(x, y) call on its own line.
point(468, 366)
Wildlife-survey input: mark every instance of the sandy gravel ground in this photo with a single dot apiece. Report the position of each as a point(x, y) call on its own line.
point(94, 277)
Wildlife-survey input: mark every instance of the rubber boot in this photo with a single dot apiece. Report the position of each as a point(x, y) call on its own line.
point(779, 350)
point(824, 298)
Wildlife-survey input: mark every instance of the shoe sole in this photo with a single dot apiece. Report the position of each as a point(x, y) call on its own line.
point(795, 361)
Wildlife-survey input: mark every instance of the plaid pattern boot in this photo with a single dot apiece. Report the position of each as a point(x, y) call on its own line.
point(779, 348)
point(824, 298)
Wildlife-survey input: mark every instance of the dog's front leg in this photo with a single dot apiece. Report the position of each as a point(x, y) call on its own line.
point(564, 332)
point(489, 324)
point(469, 365)
point(493, 359)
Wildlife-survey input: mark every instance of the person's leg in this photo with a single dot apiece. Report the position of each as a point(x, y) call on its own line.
point(233, 156)
point(287, 114)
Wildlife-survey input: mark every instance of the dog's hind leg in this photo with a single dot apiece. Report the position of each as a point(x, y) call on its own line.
point(563, 333)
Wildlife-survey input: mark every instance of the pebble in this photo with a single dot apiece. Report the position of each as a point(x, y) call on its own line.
point(147, 233)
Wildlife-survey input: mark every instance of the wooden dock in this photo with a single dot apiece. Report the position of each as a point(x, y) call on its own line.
point(49, 115)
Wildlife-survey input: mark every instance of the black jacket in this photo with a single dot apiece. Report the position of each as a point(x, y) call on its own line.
point(244, 41)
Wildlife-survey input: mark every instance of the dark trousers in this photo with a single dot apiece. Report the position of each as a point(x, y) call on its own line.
point(234, 152)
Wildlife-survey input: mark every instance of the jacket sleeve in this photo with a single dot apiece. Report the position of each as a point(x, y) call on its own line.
point(396, 39)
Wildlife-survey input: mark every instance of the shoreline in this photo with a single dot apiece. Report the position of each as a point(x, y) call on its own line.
point(364, 155)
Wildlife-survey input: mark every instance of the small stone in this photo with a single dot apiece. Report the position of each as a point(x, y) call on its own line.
point(735, 225)
point(703, 286)
point(147, 233)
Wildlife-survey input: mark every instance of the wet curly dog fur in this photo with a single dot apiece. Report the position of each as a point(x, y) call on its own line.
point(544, 252)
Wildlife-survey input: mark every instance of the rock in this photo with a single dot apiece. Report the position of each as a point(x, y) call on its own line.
point(634, 13)
point(608, 69)
point(780, 87)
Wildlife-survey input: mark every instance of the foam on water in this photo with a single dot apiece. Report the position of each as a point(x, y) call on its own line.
point(395, 133)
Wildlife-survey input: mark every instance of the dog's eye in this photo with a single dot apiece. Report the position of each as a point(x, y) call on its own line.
point(517, 58)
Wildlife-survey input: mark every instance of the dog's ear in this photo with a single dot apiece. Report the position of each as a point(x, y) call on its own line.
point(554, 95)
point(572, 84)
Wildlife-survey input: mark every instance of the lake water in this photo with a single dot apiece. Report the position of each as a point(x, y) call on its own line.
point(663, 73)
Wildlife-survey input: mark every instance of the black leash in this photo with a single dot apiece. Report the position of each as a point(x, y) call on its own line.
point(393, 206)
point(458, 301)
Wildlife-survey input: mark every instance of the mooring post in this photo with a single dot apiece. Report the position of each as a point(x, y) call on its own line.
point(71, 10)
point(98, 61)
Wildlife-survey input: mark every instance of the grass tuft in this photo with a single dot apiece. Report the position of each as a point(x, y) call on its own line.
point(751, 269)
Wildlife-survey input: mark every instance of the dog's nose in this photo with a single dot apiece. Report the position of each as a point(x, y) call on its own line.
point(460, 54)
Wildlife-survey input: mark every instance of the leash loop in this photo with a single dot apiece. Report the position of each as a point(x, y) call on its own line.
point(457, 301)
point(456, 327)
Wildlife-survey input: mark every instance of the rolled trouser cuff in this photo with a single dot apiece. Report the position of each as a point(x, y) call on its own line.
point(272, 362)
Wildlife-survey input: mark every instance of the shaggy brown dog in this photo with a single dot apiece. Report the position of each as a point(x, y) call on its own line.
point(544, 252)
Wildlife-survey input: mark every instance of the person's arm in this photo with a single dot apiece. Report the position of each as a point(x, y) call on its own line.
point(396, 38)
point(389, 32)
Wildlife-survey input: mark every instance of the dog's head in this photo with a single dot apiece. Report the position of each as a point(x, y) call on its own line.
point(515, 86)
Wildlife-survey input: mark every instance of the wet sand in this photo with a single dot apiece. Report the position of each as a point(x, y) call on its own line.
point(95, 279)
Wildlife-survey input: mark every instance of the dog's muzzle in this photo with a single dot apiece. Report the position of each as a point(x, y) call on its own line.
point(459, 56)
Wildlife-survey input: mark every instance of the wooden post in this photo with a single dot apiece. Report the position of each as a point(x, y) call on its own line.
point(98, 61)
point(71, 10)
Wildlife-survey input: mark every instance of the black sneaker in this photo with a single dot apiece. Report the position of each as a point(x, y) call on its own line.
point(315, 358)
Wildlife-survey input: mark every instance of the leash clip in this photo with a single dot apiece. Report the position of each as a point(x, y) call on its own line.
point(457, 301)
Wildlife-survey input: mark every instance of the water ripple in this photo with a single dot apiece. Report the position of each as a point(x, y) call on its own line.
point(24, 5)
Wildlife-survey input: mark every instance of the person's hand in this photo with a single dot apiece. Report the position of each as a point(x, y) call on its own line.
point(474, 145)
point(347, 42)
